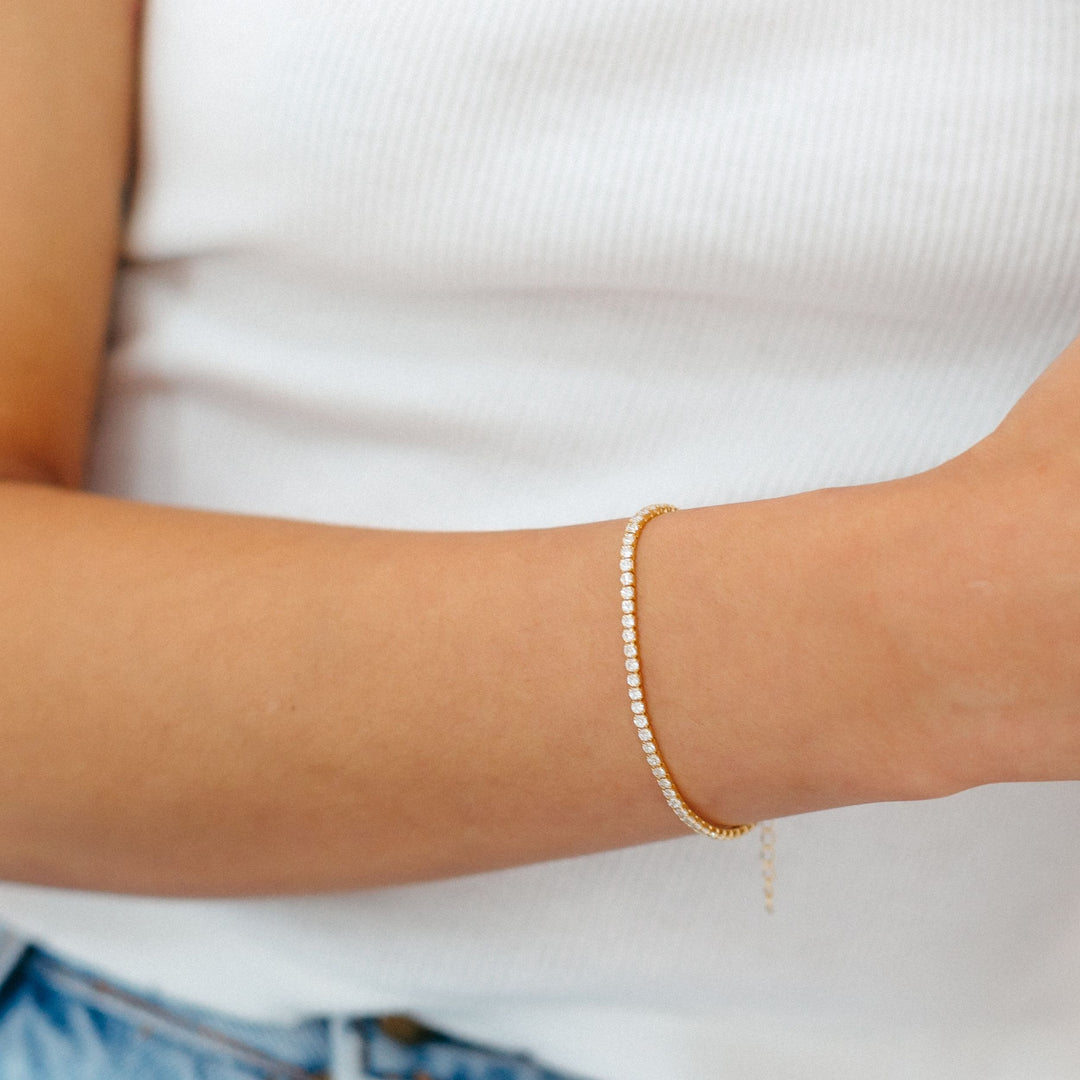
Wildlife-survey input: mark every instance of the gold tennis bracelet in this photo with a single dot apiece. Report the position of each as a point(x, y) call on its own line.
point(639, 711)
point(636, 688)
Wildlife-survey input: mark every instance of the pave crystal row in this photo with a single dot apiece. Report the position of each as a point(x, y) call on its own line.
point(636, 690)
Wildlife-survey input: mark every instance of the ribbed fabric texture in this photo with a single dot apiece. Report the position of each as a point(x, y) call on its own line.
point(498, 264)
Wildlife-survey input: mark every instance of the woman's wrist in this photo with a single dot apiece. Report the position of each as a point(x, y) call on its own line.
point(769, 639)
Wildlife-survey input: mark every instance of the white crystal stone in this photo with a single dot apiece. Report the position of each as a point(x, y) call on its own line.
point(626, 579)
point(635, 693)
point(628, 620)
point(641, 721)
point(665, 783)
point(637, 707)
point(628, 539)
point(645, 734)
point(626, 551)
point(627, 592)
point(649, 748)
point(652, 759)
point(630, 651)
point(626, 564)
point(633, 679)
point(628, 607)
point(629, 634)
point(633, 524)
point(659, 772)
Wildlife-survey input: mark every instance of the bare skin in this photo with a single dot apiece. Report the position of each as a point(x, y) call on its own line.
point(206, 704)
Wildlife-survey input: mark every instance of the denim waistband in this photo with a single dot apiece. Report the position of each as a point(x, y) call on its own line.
point(377, 1047)
point(12, 948)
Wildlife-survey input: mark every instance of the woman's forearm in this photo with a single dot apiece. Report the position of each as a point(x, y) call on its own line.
point(198, 703)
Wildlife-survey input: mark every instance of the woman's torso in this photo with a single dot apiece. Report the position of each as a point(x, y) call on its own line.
point(495, 265)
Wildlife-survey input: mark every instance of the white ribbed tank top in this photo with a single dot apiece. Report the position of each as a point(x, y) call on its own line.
point(509, 263)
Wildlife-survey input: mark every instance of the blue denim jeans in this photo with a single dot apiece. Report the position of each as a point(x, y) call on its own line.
point(60, 1022)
